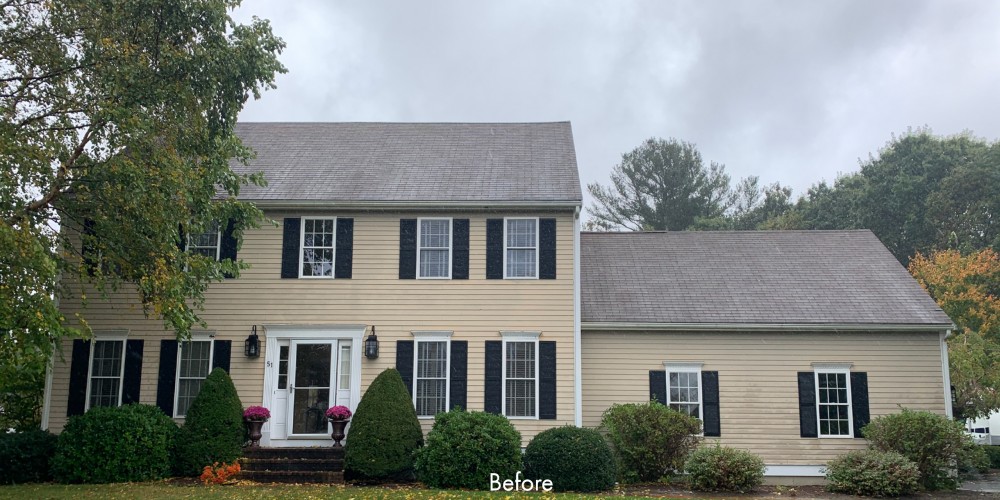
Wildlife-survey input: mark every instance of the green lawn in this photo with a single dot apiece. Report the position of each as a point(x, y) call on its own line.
point(246, 491)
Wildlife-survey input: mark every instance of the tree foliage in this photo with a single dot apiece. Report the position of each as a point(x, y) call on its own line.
point(967, 287)
point(118, 116)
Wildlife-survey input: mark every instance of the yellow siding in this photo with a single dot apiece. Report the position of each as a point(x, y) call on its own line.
point(758, 391)
point(476, 309)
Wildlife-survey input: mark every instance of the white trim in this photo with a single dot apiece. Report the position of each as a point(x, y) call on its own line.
point(526, 337)
point(946, 374)
point(451, 245)
point(426, 205)
point(431, 334)
point(577, 337)
point(756, 327)
point(685, 367)
point(537, 248)
point(196, 336)
point(795, 470)
point(445, 337)
point(106, 336)
point(47, 397)
point(838, 369)
point(302, 249)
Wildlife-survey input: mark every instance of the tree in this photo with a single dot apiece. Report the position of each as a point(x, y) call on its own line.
point(117, 118)
point(967, 287)
point(660, 185)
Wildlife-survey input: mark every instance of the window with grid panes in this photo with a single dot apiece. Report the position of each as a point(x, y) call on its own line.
point(683, 392)
point(520, 379)
point(833, 403)
point(431, 395)
point(193, 367)
point(318, 241)
point(206, 243)
point(434, 248)
point(106, 366)
point(522, 248)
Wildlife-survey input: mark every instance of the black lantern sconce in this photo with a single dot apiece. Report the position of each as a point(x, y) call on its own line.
point(252, 344)
point(371, 345)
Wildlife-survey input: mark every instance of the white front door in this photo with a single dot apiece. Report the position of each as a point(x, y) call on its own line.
point(312, 377)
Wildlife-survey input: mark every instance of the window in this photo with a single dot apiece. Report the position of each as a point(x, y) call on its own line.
point(833, 398)
point(434, 248)
point(521, 248)
point(283, 367)
point(194, 362)
point(345, 368)
point(317, 247)
point(684, 388)
point(206, 243)
point(104, 386)
point(520, 375)
point(430, 373)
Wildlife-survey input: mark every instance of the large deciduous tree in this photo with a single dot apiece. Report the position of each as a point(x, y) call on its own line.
point(117, 117)
point(967, 287)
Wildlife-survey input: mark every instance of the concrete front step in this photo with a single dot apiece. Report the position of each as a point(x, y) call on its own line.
point(300, 477)
point(293, 464)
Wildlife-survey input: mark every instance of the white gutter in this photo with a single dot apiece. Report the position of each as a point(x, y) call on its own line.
point(577, 337)
point(946, 374)
point(758, 327)
point(422, 205)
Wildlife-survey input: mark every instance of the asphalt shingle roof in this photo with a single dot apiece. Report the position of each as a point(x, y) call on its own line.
point(749, 277)
point(409, 162)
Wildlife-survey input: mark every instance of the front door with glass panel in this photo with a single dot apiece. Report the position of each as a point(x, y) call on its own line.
point(317, 369)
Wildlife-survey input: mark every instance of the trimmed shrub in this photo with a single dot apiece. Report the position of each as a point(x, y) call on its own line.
point(873, 473)
point(384, 434)
point(213, 429)
point(720, 468)
point(463, 448)
point(994, 453)
point(931, 441)
point(649, 440)
point(25, 457)
point(973, 460)
point(575, 459)
point(114, 445)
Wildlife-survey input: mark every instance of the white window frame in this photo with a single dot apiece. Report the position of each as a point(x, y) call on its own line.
point(506, 275)
point(433, 336)
point(839, 369)
point(508, 337)
point(218, 243)
point(672, 367)
point(108, 335)
point(196, 336)
point(451, 245)
point(302, 247)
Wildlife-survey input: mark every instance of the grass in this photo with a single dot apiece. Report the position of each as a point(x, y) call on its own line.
point(168, 490)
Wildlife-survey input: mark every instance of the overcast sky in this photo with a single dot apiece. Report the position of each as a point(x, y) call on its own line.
point(791, 91)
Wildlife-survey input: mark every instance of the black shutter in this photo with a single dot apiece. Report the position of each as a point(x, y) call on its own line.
point(404, 363)
point(181, 238)
point(859, 402)
point(89, 253)
point(166, 378)
point(345, 248)
point(493, 385)
point(547, 380)
point(658, 386)
point(547, 249)
point(222, 351)
point(407, 249)
point(710, 404)
point(807, 405)
point(460, 249)
point(133, 371)
point(494, 249)
point(227, 246)
point(78, 371)
point(459, 374)
point(290, 247)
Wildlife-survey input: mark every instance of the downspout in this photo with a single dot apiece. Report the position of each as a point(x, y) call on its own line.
point(946, 374)
point(49, 367)
point(577, 338)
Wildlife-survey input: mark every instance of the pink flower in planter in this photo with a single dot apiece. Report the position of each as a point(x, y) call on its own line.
point(256, 413)
point(338, 413)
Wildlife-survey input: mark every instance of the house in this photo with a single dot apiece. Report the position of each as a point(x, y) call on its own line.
point(457, 247)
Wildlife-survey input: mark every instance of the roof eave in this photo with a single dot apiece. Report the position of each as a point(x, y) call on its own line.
point(419, 205)
point(767, 327)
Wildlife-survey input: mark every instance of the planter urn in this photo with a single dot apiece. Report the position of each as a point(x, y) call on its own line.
point(254, 427)
point(339, 426)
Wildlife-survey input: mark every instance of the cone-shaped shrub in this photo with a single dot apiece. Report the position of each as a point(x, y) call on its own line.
point(213, 427)
point(574, 458)
point(463, 449)
point(384, 433)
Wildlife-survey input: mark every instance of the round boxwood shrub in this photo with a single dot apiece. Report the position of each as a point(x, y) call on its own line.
point(932, 441)
point(873, 473)
point(213, 429)
point(385, 433)
point(113, 445)
point(649, 440)
point(720, 468)
point(25, 457)
point(574, 458)
point(463, 448)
